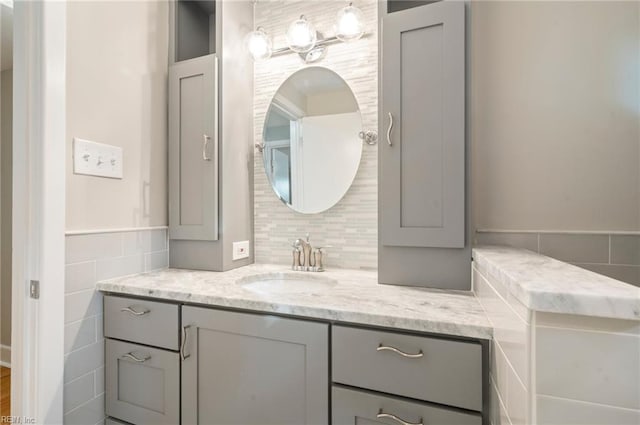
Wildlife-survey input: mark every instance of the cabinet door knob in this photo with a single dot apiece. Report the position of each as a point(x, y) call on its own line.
point(418, 355)
point(389, 129)
point(136, 359)
point(134, 312)
point(381, 415)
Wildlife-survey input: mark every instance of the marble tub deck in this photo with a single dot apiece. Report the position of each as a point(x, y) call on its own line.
point(353, 296)
point(548, 285)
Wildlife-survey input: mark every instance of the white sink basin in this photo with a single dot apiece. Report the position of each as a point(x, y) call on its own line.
point(286, 283)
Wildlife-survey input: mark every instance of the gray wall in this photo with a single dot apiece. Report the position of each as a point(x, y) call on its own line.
point(117, 55)
point(554, 130)
point(117, 62)
point(6, 124)
point(555, 115)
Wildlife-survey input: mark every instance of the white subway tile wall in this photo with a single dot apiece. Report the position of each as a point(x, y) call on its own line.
point(510, 373)
point(587, 370)
point(615, 255)
point(90, 258)
point(350, 227)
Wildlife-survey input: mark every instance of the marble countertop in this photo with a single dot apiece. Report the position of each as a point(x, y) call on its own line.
point(548, 285)
point(350, 296)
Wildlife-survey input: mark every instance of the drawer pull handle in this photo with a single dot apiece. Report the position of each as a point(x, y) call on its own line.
point(133, 312)
point(402, 353)
point(382, 415)
point(184, 356)
point(136, 359)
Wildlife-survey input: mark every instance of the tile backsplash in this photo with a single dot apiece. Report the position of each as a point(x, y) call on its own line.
point(350, 227)
point(89, 259)
point(615, 255)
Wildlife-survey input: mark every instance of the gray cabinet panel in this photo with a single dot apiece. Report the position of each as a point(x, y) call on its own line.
point(111, 421)
point(253, 369)
point(193, 149)
point(422, 170)
point(147, 322)
point(351, 407)
point(142, 384)
point(448, 372)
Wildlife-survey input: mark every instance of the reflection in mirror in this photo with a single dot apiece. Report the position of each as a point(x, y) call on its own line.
point(311, 145)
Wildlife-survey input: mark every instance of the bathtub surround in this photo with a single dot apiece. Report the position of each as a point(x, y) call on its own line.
point(616, 255)
point(554, 326)
point(92, 257)
point(350, 227)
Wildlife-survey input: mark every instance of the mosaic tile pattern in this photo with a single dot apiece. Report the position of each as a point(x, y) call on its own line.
point(351, 226)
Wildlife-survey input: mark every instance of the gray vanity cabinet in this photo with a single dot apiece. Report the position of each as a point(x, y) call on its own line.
point(193, 149)
point(141, 383)
point(422, 165)
point(353, 407)
point(142, 364)
point(248, 369)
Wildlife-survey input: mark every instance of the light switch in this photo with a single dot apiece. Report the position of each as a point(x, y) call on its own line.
point(96, 159)
point(240, 250)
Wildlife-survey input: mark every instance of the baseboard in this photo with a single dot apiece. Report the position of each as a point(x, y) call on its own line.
point(5, 356)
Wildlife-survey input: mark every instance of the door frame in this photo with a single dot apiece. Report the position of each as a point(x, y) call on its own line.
point(39, 152)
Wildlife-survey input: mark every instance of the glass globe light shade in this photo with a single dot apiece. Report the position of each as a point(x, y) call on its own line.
point(301, 36)
point(349, 23)
point(259, 44)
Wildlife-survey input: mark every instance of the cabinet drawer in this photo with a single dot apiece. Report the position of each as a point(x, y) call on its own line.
point(431, 369)
point(142, 384)
point(146, 322)
point(352, 407)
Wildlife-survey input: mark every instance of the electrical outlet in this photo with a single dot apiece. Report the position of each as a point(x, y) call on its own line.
point(240, 250)
point(97, 159)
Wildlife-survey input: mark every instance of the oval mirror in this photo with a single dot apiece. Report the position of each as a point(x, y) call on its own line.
point(311, 147)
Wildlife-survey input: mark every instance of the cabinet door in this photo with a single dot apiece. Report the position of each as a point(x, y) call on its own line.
point(422, 116)
point(193, 149)
point(249, 369)
point(142, 384)
point(353, 407)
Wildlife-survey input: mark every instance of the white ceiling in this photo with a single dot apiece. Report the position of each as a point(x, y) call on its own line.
point(314, 80)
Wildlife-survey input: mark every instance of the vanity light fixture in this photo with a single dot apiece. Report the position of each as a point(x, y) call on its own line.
point(349, 23)
point(259, 44)
point(302, 37)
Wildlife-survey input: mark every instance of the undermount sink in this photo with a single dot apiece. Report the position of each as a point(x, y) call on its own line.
point(269, 283)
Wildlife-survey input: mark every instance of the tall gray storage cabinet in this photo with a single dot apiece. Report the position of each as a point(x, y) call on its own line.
point(423, 214)
point(210, 134)
point(193, 149)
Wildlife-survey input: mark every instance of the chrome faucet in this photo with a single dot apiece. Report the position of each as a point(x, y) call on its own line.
point(303, 260)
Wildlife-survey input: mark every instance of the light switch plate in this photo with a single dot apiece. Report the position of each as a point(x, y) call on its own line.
point(240, 250)
point(96, 159)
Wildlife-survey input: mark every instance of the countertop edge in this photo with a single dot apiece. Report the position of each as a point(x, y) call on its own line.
point(595, 302)
point(311, 312)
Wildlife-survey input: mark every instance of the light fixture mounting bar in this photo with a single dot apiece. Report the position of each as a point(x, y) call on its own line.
point(321, 42)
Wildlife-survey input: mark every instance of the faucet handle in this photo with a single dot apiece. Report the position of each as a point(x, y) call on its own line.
point(307, 237)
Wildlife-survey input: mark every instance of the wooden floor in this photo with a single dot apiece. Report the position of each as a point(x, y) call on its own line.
point(5, 391)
